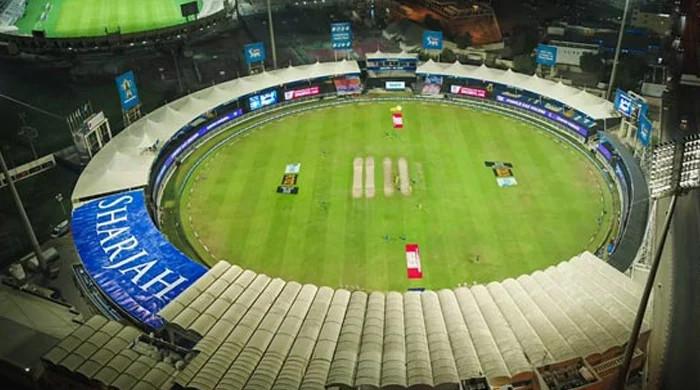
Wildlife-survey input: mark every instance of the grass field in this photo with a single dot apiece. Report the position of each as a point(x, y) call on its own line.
point(75, 18)
point(468, 228)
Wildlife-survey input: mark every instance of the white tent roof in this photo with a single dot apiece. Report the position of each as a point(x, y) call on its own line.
point(105, 174)
point(589, 104)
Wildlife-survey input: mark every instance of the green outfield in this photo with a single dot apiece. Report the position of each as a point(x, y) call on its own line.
point(468, 228)
point(79, 18)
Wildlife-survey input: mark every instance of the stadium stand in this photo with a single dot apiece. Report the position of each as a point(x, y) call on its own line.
point(585, 102)
point(568, 323)
point(110, 353)
point(368, 371)
point(10, 12)
point(121, 164)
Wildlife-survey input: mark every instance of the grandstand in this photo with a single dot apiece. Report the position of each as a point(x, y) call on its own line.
point(255, 332)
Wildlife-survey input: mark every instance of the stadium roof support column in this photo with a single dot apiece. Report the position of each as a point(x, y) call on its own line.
point(272, 36)
point(23, 214)
point(617, 49)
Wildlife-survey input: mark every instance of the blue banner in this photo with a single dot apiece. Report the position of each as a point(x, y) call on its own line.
point(605, 150)
point(568, 123)
point(432, 40)
point(644, 130)
point(129, 258)
point(254, 52)
point(341, 36)
point(128, 93)
point(546, 55)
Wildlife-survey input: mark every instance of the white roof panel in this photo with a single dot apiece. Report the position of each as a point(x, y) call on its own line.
point(102, 175)
point(589, 104)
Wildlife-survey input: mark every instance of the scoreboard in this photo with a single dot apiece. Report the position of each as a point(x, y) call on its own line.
point(379, 65)
point(391, 65)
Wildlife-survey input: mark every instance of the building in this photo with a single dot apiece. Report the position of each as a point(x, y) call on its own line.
point(569, 53)
point(659, 23)
point(455, 18)
point(636, 41)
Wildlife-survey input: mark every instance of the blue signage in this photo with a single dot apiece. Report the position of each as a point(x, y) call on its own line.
point(629, 106)
point(605, 150)
point(201, 132)
point(568, 123)
point(644, 130)
point(546, 55)
point(623, 103)
point(128, 257)
point(128, 93)
point(264, 99)
point(341, 36)
point(254, 52)
point(432, 40)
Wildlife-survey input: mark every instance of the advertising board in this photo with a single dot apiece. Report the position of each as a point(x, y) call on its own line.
point(568, 123)
point(341, 36)
point(254, 52)
point(546, 55)
point(303, 92)
point(432, 40)
point(264, 99)
point(395, 85)
point(128, 93)
point(198, 134)
point(128, 258)
point(468, 91)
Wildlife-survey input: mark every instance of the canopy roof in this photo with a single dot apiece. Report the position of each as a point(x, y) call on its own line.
point(258, 332)
point(381, 55)
point(125, 163)
point(587, 103)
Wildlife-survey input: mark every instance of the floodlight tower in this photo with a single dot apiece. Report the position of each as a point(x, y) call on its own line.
point(272, 36)
point(675, 169)
point(620, 34)
point(23, 215)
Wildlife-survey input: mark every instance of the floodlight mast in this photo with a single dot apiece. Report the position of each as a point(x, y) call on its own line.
point(23, 214)
point(272, 36)
point(617, 50)
point(675, 169)
point(641, 310)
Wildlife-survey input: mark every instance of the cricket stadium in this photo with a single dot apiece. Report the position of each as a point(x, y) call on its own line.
point(325, 226)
